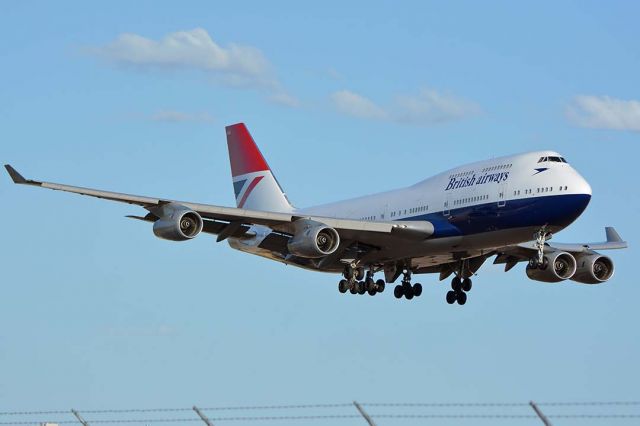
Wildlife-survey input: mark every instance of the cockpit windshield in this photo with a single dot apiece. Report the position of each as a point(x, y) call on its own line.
point(552, 159)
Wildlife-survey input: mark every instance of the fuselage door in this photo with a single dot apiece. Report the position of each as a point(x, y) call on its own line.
point(446, 209)
point(502, 195)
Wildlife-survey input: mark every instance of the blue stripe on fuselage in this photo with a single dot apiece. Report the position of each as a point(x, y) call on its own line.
point(552, 210)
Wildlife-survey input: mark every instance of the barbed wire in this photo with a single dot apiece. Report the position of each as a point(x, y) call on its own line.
point(326, 405)
point(333, 415)
point(342, 416)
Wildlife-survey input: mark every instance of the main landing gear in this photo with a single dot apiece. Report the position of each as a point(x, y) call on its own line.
point(406, 289)
point(354, 283)
point(459, 290)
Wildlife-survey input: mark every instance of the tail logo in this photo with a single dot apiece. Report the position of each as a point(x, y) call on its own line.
point(239, 185)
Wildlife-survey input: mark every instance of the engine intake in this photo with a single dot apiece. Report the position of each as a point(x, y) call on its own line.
point(177, 223)
point(557, 266)
point(593, 269)
point(313, 240)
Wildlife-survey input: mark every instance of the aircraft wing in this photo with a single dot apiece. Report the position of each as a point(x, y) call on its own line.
point(525, 251)
point(613, 242)
point(367, 232)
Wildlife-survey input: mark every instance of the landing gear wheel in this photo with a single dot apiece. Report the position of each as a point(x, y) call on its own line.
point(359, 274)
point(461, 297)
point(343, 286)
point(456, 284)
point(451, 297)
point(466, 284)
point(408, 294)
point(353, 287)
point(397, 291)
point(372, 291)
point(348, 273)
point(417, 289)
point(361, 287)
point(380, 286)
point(544, 264)
point(370, 284)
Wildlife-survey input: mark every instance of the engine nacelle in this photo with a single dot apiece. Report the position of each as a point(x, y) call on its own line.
point(557, 266)
point(177, 223)
point(313, 240)
point(593, 269)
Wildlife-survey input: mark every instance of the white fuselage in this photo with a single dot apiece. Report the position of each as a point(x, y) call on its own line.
point(474, 208)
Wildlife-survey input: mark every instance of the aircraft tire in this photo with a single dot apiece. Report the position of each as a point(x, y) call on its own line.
point(451, 297)
point(461, 297)
point(467, 284)
point(417, 289)
point(397, 291)
point(343, 286)
point(380, 286)
point(456, 284)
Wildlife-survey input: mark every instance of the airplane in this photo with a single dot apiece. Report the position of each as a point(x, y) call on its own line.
point(449, 224)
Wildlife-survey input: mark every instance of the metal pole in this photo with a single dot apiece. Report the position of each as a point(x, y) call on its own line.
point(544, 419)
point(364, 414)
point(80, 419)
point(202, 416)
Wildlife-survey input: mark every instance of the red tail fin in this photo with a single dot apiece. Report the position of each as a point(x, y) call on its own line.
point(254, 184)
point(244, 155)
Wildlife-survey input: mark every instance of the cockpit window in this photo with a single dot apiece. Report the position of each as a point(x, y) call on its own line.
point(552, 159)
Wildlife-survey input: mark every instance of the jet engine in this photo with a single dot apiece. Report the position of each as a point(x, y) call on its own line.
point(557, 266)
point(177, 223)
point(593, 269)
point(313, 240)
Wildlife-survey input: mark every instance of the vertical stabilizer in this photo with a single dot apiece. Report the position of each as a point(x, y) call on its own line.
point(254, 184)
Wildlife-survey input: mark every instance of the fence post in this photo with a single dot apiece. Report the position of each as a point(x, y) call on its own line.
point(79, 417)
point(202, 416)
point(364, 414)
point(544, 419)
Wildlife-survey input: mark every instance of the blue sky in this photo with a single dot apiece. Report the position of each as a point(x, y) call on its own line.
point(343, 99)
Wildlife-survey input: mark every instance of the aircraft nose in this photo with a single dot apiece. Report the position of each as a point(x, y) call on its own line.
point(582, 186)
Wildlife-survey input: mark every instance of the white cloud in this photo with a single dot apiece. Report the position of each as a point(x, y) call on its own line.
point(285, 99)
point(430, 107)
point(426, 108)
point(193, 49)
point(172, 116)
point(356, 105)
point(604, 112)
point(234, 65)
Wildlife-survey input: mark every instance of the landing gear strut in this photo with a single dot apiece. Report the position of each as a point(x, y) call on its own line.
point(406, 289)
point(540, 238)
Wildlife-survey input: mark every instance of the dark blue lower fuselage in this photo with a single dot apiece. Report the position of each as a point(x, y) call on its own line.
point(557, 211)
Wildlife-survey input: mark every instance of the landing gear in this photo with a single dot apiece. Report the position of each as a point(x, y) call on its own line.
point(540, 238)
point(459, 289)
point(354, 283)
point(406, 289)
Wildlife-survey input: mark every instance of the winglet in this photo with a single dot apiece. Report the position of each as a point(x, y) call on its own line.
point(612, 235)
point(18, 178)
point(15, 176)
